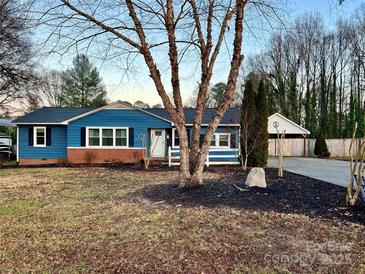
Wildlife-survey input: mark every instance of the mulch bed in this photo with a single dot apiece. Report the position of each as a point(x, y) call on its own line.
point(291, 194)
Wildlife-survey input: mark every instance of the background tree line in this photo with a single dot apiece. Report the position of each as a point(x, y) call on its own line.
point(24, 86)
point(77, 86)
point(316, 75)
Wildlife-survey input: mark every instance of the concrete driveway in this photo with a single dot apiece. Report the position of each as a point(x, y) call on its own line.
point(331, 171)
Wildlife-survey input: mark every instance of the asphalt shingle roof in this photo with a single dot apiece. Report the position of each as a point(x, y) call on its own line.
point(51, 115)
point(59, 114)
point(232, 116)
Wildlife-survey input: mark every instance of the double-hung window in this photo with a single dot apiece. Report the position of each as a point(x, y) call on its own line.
point(223, 139)
point(94, 137)
point(120, 137)
point(175, 138)
point(220, 140)
point(39, 136)
point(107, 137)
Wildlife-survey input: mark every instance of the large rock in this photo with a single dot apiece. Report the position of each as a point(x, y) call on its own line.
point(256, 177)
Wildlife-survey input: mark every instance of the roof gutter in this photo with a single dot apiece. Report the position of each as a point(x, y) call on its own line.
point(33, 123)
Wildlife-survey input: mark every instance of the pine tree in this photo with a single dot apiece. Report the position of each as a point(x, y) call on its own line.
point(260, 153)
point(82, 85)
point(216, 94)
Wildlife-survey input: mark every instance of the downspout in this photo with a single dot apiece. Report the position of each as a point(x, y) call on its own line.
point(9, 147)
point(17, 144)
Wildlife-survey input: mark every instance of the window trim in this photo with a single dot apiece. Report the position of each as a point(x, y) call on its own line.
point(101, 137)
point(173, 138)
point(217, 140)
point(35, 143)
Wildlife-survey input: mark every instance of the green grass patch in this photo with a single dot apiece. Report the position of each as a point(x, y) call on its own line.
point(10, 163)
point(17, 207)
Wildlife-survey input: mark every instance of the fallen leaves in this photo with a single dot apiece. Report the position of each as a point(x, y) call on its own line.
point(115, 220)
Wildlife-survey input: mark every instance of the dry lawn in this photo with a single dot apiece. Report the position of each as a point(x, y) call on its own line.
point(71, 220)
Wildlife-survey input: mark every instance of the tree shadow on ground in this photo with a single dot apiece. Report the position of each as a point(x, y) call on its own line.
point(290, 194)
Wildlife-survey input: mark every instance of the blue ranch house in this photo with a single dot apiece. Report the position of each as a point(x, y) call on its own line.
point(116, 133)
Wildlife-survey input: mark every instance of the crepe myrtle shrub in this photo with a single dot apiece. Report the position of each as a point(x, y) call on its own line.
point(320, 148)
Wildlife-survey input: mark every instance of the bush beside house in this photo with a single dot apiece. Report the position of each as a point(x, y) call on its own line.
point(254, 126)
point(321, 149)
point(261, 152)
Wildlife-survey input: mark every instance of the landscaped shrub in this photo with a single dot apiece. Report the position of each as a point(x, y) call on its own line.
point(63, 162)
point(89, 157)
point(2, 158)
point(260, 153)
point(320, 148)
point(254, 119)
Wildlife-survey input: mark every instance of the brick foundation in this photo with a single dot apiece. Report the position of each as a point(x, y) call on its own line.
point(100, 156)
point(29, 162)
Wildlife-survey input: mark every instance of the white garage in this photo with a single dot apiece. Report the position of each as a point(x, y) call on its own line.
point(295, 142)
point(279, 123)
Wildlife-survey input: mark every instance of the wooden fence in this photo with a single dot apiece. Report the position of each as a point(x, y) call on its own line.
point(305, 147)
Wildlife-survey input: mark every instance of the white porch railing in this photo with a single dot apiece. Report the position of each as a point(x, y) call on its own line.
point(229, 156)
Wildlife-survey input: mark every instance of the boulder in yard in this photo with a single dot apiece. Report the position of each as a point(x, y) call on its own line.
point(256, 177)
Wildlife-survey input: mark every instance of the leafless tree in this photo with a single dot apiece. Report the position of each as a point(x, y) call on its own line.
point(15, 54)
point(317, 74)
point(51, 90)
point(182, 29)
point(247, 133)
point(46, 91)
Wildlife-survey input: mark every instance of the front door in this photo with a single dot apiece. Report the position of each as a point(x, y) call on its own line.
point(158, 143)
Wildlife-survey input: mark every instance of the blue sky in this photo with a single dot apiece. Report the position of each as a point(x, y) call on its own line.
point(138, 86)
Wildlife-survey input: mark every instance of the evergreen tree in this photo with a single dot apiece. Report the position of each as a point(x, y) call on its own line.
point(320, 148)
point(359, 116)
point(82, 85)
point(282, 97)
point(216, 94)
point(273, 105)
point(333, 128)
point(141, 104)
point(293, 98)
point(247, 129)
point(260, 153)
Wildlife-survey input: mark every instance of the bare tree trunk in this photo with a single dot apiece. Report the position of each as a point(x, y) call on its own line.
point(196, 176)
point(184, 176)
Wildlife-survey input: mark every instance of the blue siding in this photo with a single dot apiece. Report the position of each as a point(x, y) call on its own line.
point(69, 136)
point(57, 149)
point(136, 119)
point(231, 155)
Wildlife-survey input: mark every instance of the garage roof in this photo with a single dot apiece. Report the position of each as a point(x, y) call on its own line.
point(278, 122)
